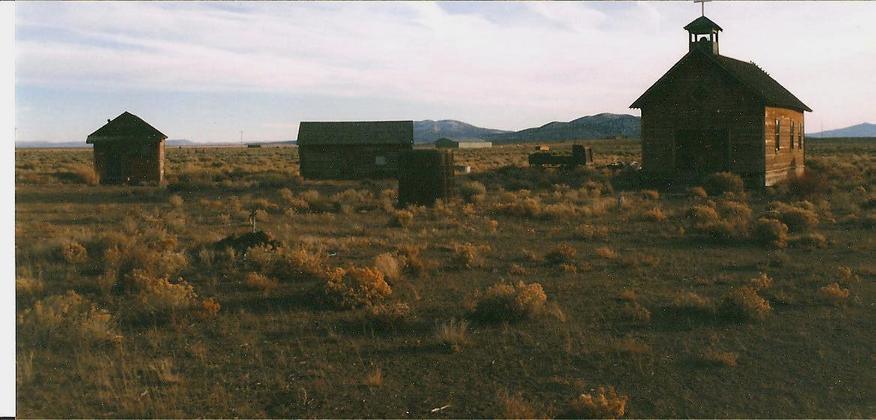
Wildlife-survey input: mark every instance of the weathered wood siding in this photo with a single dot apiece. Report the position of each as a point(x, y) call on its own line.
point(350, 161)
point(129, 162)
point(696, 97)
point(788, 159)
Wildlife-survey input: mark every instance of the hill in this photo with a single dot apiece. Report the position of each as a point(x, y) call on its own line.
point(597, 126)
point(860, 130)
point(428, 131)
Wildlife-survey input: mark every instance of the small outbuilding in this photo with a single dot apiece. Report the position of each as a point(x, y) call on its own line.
point(128, 150)
point(711, 113)
point(445, 143)
point(353, 149)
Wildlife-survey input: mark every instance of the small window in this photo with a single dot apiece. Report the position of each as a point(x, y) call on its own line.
point(778, 136)
point(800, 137)
point(380, 160)
point(792, 135)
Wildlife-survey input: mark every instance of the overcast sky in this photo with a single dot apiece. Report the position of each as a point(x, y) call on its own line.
point(206, 71)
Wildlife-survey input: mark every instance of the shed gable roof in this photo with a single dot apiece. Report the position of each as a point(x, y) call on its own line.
point(125, 127)
point(749, 75)
point(355, 132)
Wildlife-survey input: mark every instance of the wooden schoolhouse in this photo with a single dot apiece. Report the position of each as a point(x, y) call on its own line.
point(711, 113)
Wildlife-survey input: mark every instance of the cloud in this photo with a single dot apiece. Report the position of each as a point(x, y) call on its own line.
point(512, 64)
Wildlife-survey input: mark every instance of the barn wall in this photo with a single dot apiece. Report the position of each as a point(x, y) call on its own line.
point(786, 161)
point(699, 97)
point(350, 161)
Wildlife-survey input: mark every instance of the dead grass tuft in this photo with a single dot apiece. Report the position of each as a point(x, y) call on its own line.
point(762, 281)
point(389, 315)
point(373, 378)
point(591, 232)
point(634, 311)
point(74, 252)
point(469, 256)
point(691, 303)
point(744, 303)
point(719, 358)
point(452, 335)
point(389, 265)
point(414, 261)
point(67, 319)
point(833, 294)
point(515, 407)
point(606, 252)
point(261, 282)
point(507, 302)
point(563, 253)
point(771, 232)
point(599, 404)
point(402, 218)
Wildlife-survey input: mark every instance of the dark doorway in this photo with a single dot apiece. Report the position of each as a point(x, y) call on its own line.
point(701, 152)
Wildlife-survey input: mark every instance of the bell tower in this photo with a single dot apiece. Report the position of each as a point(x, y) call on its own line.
point(702, 33)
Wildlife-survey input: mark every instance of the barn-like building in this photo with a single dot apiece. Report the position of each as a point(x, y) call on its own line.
point(128, 150)
point(352, 149)
point(711, 113)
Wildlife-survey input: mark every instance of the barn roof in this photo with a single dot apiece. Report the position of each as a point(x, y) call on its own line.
point(702, 25)
point(125, 127)
point(749, 75)
point(355, 132)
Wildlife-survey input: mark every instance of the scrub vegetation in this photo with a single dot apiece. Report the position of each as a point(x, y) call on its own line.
point(534, 293)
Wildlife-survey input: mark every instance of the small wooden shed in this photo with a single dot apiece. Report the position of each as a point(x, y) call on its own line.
point(128, 150)
point(711, 113)
point(353, 149)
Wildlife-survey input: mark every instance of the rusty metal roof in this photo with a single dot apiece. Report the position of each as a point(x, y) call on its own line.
point(355, 132)
point(125, 127)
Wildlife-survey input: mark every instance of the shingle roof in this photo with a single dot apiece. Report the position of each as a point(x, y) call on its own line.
point(749, 75)
point(125, 127)
point(772, 92)
point(702, 25)
point(355, 132)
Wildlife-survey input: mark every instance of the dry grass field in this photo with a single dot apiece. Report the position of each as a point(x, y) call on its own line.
point(535, 293)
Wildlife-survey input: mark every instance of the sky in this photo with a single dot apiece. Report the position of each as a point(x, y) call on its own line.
point(207, 71)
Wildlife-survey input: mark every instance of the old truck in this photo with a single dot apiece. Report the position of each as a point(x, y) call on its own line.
point(580, 156)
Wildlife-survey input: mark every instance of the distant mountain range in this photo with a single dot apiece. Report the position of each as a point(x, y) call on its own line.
point(590, 127)
point(427, 131)
point(599, 126)
point(860, 130)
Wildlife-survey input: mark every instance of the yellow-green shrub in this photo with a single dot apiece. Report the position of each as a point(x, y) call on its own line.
point(67, 319)
point(355, 287)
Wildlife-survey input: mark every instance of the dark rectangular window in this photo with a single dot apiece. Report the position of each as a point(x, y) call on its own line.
point(778, 131)
point(792, 135)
